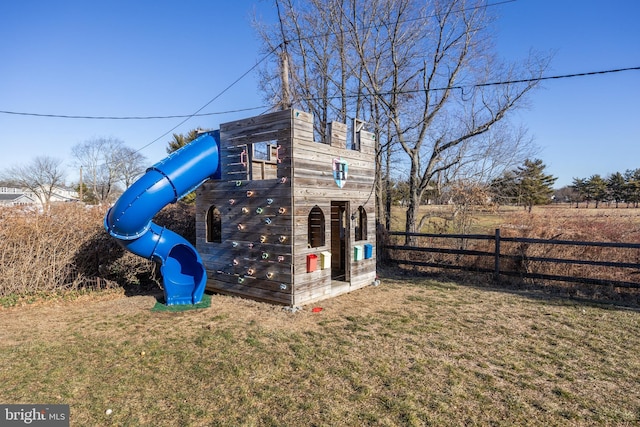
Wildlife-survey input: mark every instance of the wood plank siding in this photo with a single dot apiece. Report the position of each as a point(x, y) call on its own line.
point(263, 204)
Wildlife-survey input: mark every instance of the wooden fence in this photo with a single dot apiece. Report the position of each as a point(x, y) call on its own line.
point(596, 263)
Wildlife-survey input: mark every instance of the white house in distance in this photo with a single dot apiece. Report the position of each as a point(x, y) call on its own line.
point(11, 196)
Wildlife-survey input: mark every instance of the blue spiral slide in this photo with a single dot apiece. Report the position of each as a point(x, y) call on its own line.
point(129, 219)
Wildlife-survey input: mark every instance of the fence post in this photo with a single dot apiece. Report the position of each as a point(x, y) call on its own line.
point(496, 268)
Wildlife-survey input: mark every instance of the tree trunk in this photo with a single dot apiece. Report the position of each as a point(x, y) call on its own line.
point(387, 219)
point(411, 215)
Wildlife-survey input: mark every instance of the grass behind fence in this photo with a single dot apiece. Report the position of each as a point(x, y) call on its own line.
point(604, 225)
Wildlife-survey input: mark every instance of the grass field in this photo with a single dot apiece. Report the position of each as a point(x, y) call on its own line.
point(484, 220)
point(408, 352)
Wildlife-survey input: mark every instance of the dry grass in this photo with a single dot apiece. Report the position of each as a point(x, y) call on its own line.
point(554, 223)
point(409, 352)
point(614, 223)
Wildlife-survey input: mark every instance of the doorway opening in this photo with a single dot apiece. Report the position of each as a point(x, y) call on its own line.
point(340, 232)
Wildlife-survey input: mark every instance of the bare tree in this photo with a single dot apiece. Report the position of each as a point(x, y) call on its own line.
point(107, 162)
point(425, 68)
point(41, 177)
point(446, 89)
point(323, 71)
point(313, 42)
point(131, 165)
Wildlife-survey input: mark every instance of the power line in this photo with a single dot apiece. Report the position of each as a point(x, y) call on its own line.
point(477, 85)
point(185, 117)
point(177, 116)
point(188, 117)
point(563, 76)
point(198, 114)
point(210, 101)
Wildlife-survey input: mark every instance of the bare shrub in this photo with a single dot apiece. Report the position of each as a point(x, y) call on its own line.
point(67, 248)
point(179, 217)
point(38, 249)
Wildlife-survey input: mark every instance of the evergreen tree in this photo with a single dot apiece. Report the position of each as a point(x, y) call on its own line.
point(616, 187)
point(580, 186)
point(87, 195)
point(504, 188)
point(597, 188)
point(179, 140)
point(632, 187)
point(533, 185)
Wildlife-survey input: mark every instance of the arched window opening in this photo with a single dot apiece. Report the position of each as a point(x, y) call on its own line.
point(214, 225)
point(361, 224)
point(316, 227)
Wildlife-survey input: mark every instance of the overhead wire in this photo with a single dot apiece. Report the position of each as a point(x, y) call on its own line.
point(197, 113)
point(175, 116)
point(478, 85)
point(402, 92)
point(189, 117)
point(185, 118)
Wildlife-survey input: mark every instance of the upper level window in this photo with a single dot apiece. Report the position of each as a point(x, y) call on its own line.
point(260, 160)
point(361, 224)
point(316, 227)
point(261, 151)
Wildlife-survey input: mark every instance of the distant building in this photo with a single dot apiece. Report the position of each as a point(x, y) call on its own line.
point(12, 196)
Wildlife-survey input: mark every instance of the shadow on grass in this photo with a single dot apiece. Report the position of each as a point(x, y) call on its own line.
point(553, 293)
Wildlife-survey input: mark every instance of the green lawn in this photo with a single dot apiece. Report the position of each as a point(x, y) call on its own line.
point(408, 352)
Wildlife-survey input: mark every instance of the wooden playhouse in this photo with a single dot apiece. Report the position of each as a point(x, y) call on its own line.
point(290, 221)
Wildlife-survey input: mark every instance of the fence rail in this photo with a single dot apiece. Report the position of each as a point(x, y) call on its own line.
point(523, 263)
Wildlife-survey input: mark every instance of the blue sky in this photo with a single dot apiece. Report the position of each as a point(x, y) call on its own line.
point(154, 58)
